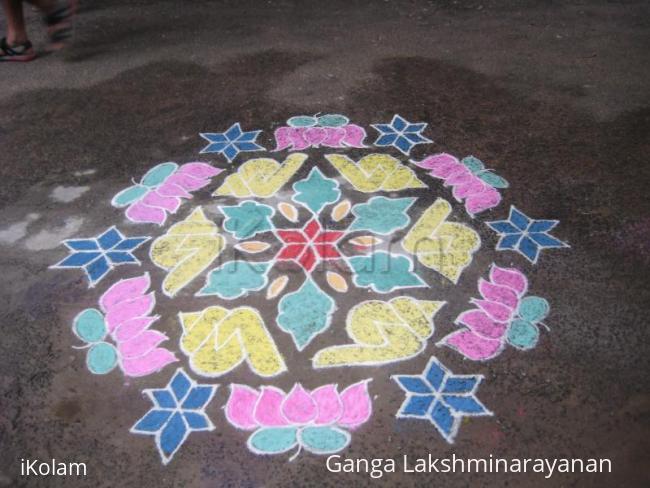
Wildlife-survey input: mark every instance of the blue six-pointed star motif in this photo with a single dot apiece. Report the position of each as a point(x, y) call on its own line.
point(98, 255)
point(178, 409)
point(440, 397)
point(231, 142)
point(525, 235)
point(401, 134)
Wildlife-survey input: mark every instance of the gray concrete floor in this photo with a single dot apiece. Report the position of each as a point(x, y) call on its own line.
point(553, 95)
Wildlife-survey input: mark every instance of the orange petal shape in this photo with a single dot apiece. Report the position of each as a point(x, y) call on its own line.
point(289, 211)
point(336, 281)
point(277, 286)
point(253, 246)
point(341, 210)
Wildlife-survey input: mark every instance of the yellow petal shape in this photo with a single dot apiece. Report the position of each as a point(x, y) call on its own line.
point(261, 177)
point(375, 172)
point(383, 332)
point(186, 250)
point(446, 247)
point(217, 340)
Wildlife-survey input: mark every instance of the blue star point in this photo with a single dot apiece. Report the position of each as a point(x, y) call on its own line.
point(524, 235)
point(178, 409)
point(231, 142)
point(99, 255)
point(441, 397)
point(401, 134)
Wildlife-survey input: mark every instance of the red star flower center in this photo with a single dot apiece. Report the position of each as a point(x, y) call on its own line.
point(310, 245)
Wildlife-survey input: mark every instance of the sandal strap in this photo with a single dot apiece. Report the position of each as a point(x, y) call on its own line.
point(17, 50)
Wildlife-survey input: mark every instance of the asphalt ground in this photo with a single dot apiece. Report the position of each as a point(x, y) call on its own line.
point(553, 95)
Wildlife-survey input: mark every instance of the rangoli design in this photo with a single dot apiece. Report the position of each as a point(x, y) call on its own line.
point(330, 235)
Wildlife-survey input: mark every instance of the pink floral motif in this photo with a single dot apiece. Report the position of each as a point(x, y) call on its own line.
point(250, 409)
point(126, 308)
point(478, 194)
point(487, 325)
point(151, 202)
point(299, 138)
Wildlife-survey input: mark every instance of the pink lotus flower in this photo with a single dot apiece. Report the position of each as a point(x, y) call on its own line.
point(161, 189)
point(487, 325)
point(299, 138)
point(250, 409)
point(467, 185)
point(126, 307)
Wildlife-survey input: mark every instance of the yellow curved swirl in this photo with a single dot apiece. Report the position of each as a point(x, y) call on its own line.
point(383, 332)
point(186, 250)
point(375, 172)
point(217, 340)
point(261, 177)
point(446, 247)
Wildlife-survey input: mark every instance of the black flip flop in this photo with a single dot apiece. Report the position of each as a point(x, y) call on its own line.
point(20, 53)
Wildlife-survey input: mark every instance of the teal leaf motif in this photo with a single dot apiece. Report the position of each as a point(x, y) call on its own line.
point(494, 180)
point(323, 440)
point(89, 326)
point(247, 219)
point(533, 309)
point(129, 195)
point(101, 358)
point(157, 175)
point(384, 272)
point(273, 440)
point(473, 164)
point(523, 334)
point(382, 215)
point(234, 279)
point(305, 313)
point(316, 191)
